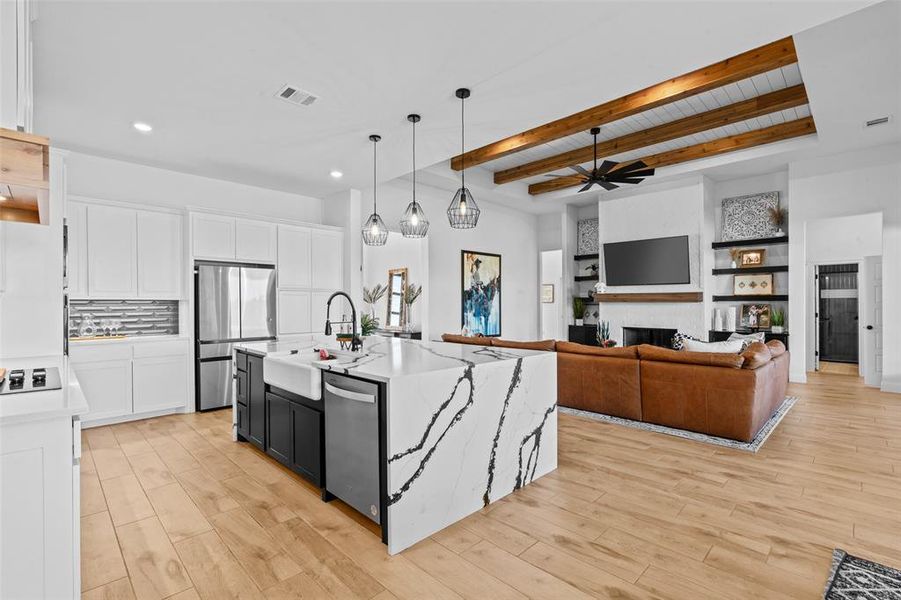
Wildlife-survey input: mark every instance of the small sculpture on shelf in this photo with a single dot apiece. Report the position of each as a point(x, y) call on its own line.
point(603, 335)
point(592, 269)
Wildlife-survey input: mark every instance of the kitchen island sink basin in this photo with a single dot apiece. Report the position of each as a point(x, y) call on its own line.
point(296, 373)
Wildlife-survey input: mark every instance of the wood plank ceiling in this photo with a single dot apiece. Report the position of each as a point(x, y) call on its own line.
point(754, 98)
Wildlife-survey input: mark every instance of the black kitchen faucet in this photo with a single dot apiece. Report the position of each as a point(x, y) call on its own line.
point(355, 343)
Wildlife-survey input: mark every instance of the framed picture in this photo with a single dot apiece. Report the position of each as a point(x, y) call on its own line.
point(755, 316)
point(753, 285)
point(547, 293)
point(751, 258)
point(480, 290)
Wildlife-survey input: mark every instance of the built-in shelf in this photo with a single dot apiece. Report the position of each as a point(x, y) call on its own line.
point(586, 256)
point(586, 277)
point(752, 270)
point(773, 298)
point(783, 239)
point(651, 297)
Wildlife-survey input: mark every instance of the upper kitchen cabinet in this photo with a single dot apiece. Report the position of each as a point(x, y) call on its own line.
point(213, 236)
point(77, 255)
point(255, 241)
point(327, 251)
point(159, 255)
point(112, 252)
point(294, 259)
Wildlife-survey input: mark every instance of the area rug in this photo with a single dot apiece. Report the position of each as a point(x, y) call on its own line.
point(752, 446)
point(854, 578)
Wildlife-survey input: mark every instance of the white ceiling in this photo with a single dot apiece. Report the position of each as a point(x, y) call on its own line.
point(203, 74)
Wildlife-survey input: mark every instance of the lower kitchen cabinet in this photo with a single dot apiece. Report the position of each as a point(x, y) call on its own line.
point(241, 421)
point(255, 398)
point(294, 436)
point(279, 427)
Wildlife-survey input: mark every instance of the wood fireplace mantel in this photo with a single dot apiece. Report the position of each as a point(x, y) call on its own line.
point(651, 297)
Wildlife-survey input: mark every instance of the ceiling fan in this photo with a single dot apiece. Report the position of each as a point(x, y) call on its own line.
point(609, 173)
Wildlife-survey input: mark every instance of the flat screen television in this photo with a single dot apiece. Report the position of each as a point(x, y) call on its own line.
point(659, 261)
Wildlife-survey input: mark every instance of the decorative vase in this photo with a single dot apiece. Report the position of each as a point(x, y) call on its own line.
point(731, 318)
point(777, 329)
point(717, 319)
point(580, 322)
point(734, 265)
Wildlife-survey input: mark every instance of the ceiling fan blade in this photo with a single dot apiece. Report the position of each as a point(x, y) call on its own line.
point(607, 185)
point(606, 166)
point(641, 173)
point(557, 176)
point(587, 187)
point(580, 170)
point(629, 167)
point(630, 180)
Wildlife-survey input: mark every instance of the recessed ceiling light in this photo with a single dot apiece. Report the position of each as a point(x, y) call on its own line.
point(142, 127)
point(336, 174)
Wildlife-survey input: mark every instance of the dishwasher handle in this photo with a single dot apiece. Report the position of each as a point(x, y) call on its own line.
point(349, 395)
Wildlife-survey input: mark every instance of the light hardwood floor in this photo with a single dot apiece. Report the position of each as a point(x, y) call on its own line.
point(171, 508)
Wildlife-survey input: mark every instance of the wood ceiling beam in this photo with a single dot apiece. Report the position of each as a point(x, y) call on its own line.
point(747, 64)
point(725, 115)
point(758, 137)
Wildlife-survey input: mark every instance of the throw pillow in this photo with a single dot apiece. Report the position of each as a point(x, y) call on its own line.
point(748, 338)
point(680, 338)
point(727, 347)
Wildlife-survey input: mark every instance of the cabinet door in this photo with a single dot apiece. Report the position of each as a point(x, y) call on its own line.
point(160, 382)
point(77, 257)
point(327, 251)
point(213, 236)
point(107, 388)
point(241, 391)
point(256, 402)
point(307, 451)
point(279, 441)
point(241, 421)
point(293, 257)
point(160, 255)
point(112, 252)
point(293, 312)
point(255, 241)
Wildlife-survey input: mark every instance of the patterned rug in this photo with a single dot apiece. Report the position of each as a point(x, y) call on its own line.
point(752, 446)
point(853, 578)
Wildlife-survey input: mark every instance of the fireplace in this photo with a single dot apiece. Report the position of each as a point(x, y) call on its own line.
point(656, 336)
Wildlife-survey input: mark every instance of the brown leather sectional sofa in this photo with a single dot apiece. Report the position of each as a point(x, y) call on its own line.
point(726, 395)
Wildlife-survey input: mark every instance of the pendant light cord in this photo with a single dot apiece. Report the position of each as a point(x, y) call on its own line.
point(462, 139)
point(414, 163)
point(374, 179)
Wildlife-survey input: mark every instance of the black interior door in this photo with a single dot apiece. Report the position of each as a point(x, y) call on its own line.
point(838, 306)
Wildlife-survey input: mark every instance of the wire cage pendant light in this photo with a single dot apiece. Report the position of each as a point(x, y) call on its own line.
point(374, 231)
point(463, 212)
point(414, 223)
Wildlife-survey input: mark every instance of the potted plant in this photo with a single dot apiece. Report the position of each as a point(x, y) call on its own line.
point(372, 295)
point(579, 310)
point(777, 218)
point(603, 335)
point(411, 295)
point(368, 324)
point(777, 321)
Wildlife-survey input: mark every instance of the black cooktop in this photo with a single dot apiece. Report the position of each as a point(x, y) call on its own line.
point(19, 381)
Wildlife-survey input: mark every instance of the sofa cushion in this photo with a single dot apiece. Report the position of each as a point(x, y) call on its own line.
point(748, 338)
point(756, 355)
point(726, 347)
point(776, 347)
point(546, 345)
point(679, 338)
point(573, 348)
point(710, 359)
point(463, 339)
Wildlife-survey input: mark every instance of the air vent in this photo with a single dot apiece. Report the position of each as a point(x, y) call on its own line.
point(879, 121)
point(295, 95)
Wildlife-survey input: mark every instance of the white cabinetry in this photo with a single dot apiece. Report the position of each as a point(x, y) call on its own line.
point(293, 312)
point(112, 252)
point(327, 260)
point(77, 262)
point(105, 375)
point(255, 241)
point(213, 236)
point(294, 259)
point(160, 376)
point(159, 255)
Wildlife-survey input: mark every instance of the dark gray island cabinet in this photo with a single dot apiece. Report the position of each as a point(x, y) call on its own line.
point(286, 426)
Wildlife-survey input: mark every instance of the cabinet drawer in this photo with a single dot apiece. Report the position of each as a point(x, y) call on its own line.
point(241, 387)
point(107, 351)
point(241, 360)
point(163, 348)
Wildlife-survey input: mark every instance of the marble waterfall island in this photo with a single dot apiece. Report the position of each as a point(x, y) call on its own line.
point(465, 426)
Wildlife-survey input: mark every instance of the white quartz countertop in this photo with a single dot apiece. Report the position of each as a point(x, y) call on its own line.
point(283, 345)
point(31, 406)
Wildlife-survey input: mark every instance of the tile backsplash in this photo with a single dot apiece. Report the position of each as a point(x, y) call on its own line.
point(138, 317)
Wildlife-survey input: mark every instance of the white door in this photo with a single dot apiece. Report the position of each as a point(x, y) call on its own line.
point(293, 257)
point(160, 255)
point(112, 252)
point(77, 260)
point(871, 324)
point(213, 236)
point(160, 382)
point(255, 241)
point(294, 312)
point(327, 260)
point(107, 388)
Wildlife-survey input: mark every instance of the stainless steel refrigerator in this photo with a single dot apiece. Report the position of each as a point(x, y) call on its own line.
point(232, 303)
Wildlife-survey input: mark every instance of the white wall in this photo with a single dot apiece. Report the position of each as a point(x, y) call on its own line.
point(398, 253)
point(108, 179)
point(552, 321)
point(867, 181)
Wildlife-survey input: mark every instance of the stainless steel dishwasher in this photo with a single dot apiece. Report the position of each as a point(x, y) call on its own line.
point(352, 442)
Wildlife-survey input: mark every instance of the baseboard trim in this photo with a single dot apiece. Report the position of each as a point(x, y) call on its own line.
point(87, 424)
point(892, 386)
point(797, 377)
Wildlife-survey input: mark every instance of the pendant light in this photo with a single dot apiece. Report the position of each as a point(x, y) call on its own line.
point(463, 212)
point(374, 231)
point(414, 224)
